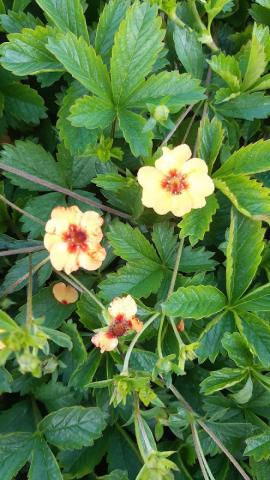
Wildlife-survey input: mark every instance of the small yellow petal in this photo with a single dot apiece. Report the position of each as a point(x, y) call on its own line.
point(123, 306)
point(173, 159)
point(65, 294)
point(105, 341)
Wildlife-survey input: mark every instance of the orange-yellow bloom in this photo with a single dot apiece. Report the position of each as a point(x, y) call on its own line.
point(177, 183)
point(73, 239)
point(122, 319)
point(65, 293)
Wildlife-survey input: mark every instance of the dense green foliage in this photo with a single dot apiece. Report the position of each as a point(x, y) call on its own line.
point(89, 93)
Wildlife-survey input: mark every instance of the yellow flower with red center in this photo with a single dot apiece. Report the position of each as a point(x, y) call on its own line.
point(65, 294)
point(177, 183)
point(122, 319)
point(73, 239)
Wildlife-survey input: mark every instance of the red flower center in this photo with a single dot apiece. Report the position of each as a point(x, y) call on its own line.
point(76, 239)
point(175, 182)
point(119, 326)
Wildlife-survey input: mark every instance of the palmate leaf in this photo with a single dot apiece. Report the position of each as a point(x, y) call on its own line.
point(165, 242)
point(82, 62)
point(15, 450)
point(210, 338)
point(195, 302)
point(220, 379)
point(92, 113)
point(246, 106)
point(257, 58)
point(258, 447)
point(256, 301)
point(73, 427)
point(257, 334)
point(136, 48)
point(132, 126)
point(228, 69)
point(109, 21)
point(189, 51)
point(67, 15)
point(253, 158)
point(248, 196)
point(26, 52)
point(24, 103)
point(43, 464)
point(130, 244)
point(140, 280)
point(245, 242)
point(14, 22)
point(76, 140)
point(196, 223)
point(33, 159)
point(237, 349)
point(177, 90)
point(211, 135)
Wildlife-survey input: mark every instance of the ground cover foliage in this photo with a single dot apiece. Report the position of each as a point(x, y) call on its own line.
point(90, 92)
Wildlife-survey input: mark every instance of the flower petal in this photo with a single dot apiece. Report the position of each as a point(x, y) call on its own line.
point(195, 165)
point(65, 294)
point(50, 240)
point(181, 204)
point(173, 159)
point(105, 341)
point(123, 306)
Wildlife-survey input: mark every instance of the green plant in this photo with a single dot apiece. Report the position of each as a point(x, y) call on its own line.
point(89, 97)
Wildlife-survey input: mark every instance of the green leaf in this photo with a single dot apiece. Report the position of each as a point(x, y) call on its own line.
point(67, 15)
point(82, 62)
point(55, 395)
point(59, 338)
point(73, 427)
point(213, 8)
point(20, 5)
point(210, 338)
point(20, 417)
point(84, 373)
point(6, 323)
point(21, 268)
point(244, 395)
point(109, 21)
point(140, 280)
point(170, 88)
point(78, 355)
point(245, 242)
point(256, 301)
point(211, 135)
point(196, 260)
point(15, 449)
point(24, 103)
point(253, 158)
point(220, 379)
point(33, 159)
point(228, 69)
point(5, 383)
point(47, 307)
point(189, 51)
point(122, 454)
point(165, 242)
point(248, 196)
point(92, 113)
point(196, 223)
point(141, 32)
point(257, 61)
point(87, 311)
point(14, 22)
point(43, 464)
point(26, 52)
point(76, 140)
point(246, 106)
point(195, 302)
point(237, 349)
point(130, 244)
point(79, 463)
point(132, 126)
point(257, 333)
point(258, 447)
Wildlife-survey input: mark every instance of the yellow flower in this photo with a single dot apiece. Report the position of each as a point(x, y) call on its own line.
point(177, 183)
point(73, 239)
point(122, 312)
point(65, 293)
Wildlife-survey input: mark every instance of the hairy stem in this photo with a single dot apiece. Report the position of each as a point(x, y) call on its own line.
point(21, 210)
point(24, 277)
point(29, 304)
point(177, 125)
point(18, 251)
point(74, 282)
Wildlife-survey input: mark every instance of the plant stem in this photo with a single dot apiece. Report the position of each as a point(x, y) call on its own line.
point(196, 443)
point(177, 125)
point(21, 210)
point(140, 424)
point(129, 441)
point(191, 122)
point(134, 341)
point(29, 304)
point(65, 191)
point(18, 251)
point(176, 266)
point(211, 434)
point(159, 338)
point(24, 277)
point(79, 286)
